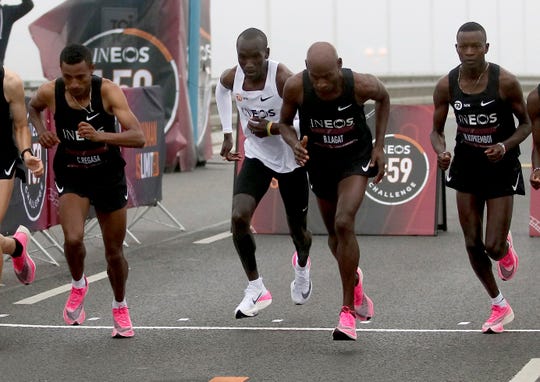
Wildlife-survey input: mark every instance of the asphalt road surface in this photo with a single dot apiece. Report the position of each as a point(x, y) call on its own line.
point(184, 285)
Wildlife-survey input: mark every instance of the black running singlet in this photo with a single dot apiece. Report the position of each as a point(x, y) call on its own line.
point(335, 127)
point(483, 119)
point(75, 152)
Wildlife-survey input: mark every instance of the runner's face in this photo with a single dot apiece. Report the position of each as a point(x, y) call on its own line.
point(252, 56)
point(471, 48)
point(325, 79)
point(78, 78)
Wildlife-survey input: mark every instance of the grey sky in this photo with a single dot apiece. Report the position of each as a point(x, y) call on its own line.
point(381, 37)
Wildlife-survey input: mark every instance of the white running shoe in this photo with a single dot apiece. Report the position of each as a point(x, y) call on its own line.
point(301, 286)
point(255, 299)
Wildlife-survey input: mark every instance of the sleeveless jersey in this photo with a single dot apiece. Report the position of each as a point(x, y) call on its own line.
point(272, 151)
point(8, 149)
point(334, 128)
point(483, 119)
point(78, 153)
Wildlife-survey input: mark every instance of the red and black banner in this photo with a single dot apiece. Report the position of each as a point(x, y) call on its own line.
point(134, 43)
point(534, 218)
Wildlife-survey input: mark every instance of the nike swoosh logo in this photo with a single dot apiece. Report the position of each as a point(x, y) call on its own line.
point(306, 295)
point(366, 167)
point(341, 108)
point(10, 169)
point(514, 187)
point(304, 209)
point(257, 299)
point(265, 99)
point(60, 189)
point(126, 195)
point(91, 117)
point(482, 103)
point(448, 178)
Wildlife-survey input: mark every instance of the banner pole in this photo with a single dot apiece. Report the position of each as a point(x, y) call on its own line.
point(193, 64)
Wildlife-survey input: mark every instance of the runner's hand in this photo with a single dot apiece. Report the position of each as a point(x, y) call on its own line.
point(48, 139)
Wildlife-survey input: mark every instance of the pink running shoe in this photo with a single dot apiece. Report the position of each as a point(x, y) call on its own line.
point(363, 306)
point(74, 309)
point(508, 265)
point(122, 323)
point(500, 315)
point(346, 329)
point(23, 265)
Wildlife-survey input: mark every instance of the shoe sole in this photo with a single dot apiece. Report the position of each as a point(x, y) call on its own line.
point(78, 321)
point(259, 305)
point(339, 335)
point(117, 334)
point(499, 328)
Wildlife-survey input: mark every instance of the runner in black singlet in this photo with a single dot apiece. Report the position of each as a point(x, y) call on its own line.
point(485, 170)
point(89, 170)
point(15, 148)
point(336, 147)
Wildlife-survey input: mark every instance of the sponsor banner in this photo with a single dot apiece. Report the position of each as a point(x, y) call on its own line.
point(404, 203)
point(134, 43)
point(30, 204)
point(145, 166)
point(534, 216)
point(35, 203)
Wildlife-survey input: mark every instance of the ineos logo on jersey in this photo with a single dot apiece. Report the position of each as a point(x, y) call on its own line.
point(331, 123)
point(132, 57)
point(250, 113)
point(477, 119)
point(407, 170)
point(33, 191)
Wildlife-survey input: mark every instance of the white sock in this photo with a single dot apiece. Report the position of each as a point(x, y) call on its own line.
point(499, 300)
point(257, 283)
point(78, 284)
point(121, 304)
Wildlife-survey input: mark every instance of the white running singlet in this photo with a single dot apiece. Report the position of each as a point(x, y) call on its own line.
point(272, 151)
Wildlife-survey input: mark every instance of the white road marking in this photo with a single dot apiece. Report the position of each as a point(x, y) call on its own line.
point(214, 238)
point(260, 328)
point(99, 276)
point(529, 373)
point(59, 290)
